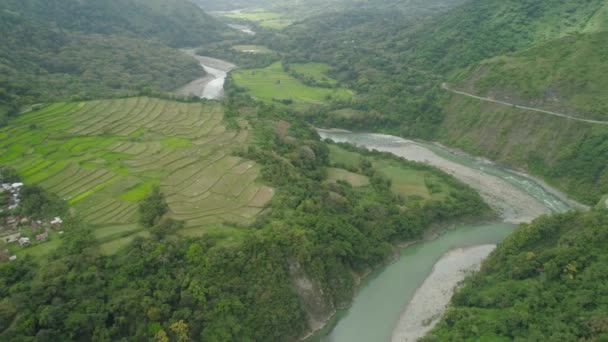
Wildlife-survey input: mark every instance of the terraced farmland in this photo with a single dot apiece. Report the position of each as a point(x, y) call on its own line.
point(104, 156)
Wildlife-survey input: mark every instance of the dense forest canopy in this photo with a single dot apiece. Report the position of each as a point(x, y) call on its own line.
point(330, 220)
point(209, 288)
point(91, 49)
point(548, 281)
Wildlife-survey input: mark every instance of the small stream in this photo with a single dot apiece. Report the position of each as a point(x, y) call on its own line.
point(378, 308)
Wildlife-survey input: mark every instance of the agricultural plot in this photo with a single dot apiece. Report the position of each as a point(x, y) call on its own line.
point(317, 71)
point(105, 156)
point(406, 181)
point(354, 179)
point(256, 49)
point(273, 83)
point(261, 17)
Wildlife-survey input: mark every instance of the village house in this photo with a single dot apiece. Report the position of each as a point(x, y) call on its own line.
point(14, 190)
point(57, 221)
point(42, 237)
point(10, 238)
point(24, 242)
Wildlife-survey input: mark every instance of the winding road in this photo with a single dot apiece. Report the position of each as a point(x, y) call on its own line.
point(565, 116)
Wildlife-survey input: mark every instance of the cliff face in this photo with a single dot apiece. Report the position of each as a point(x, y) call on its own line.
point(318, 308)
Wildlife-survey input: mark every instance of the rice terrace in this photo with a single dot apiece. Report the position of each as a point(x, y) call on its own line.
point(104, 156)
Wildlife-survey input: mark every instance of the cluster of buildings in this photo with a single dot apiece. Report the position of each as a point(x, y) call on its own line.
point(13, 189)
point(20, 230)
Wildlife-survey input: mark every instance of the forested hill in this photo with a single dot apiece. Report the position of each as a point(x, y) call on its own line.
point(566, 75)
point(228, 5)
point(175, 23)
point(483, 29)
point(547, 54)
point(546, 282)
point(85, 49)
point(443, 35)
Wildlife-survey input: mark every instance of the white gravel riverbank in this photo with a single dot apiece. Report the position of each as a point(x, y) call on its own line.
point(432, 297)
point(210, 86)
point(513, 204)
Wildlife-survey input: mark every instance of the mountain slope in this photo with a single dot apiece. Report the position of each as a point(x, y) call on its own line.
point(566, 74)
point(484, 29)
point(84, 49)
point(176, 23)
point(546, 282)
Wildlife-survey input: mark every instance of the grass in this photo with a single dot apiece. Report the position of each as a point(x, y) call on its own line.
point(356, 180)
point(104, 233)
point(405, 181)
point(261, 17)
point(272, 82)
point(603, 203)
point(112, 247)
point(339, 155)
point(38, 249)
point(105, 156)
point(139, 192)
point(176, 142)
point(252, 49)
point(318, 71)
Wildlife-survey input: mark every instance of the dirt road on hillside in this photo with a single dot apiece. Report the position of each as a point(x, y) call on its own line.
point(486, 99)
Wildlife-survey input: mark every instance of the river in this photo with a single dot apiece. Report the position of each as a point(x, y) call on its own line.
point(403, 300)
point(210, 86)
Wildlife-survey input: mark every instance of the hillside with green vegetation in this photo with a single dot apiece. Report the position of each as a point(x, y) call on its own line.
point(103, 157)
point(395, 55)
point(544, 54)
point(483, 29)
point(132, 169)
point(296, 86)
point(563, 75)
point(188, 219)
point(94, 49)
point(176, 23)
point(547, 281)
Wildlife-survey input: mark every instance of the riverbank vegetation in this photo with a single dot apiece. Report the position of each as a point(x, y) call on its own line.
point(149, 282)
point(396, 60)
point(296, 87)
point(546, 281)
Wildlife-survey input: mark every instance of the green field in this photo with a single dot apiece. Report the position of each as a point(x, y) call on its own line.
point(406, 181)
point(252, 49)
point(261, 17)
point(356, 180)
point(272, 82)
point(318, 71)
point(104, 156)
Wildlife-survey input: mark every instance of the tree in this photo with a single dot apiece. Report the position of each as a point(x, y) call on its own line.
point(180, 328)
point(152, 208)
point(161, 336)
